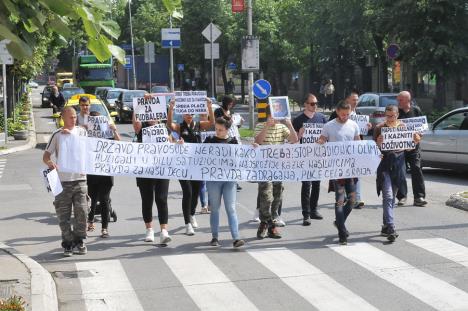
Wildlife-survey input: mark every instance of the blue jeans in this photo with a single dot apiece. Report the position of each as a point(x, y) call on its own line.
point(342, 211)
point(203, 194)
point(389, 193)
point(228, 191)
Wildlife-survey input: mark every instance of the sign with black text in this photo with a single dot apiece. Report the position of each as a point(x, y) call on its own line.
point(312, 132)
point(362, 121)
point(155, 134)
point(98, 126)
point(150, 108)
point(418, 124)
point(190, 102)
point(397, 138)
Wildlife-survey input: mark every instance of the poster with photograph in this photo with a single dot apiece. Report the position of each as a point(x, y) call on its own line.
point(279, 107)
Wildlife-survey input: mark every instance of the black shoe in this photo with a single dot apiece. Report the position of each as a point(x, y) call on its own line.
point(392, 234)
point(68, 251)
point(346, 230)
point(238, 243)
point(306, 222)
point(343, 240)
point(420, 202)
point(316, 215)
point(402, 201)
point(262, 230)
point(239, 188)
point(80, 248)
point(214, 242)
point(384, 231)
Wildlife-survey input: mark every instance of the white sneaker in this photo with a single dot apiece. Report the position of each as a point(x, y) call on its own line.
point(189, 229)
point(256, 220)
point(193, 222)
point(279, 222)
point(149, 235)
point(164, 238)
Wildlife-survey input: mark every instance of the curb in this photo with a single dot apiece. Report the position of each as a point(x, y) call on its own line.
point(43, 290)
point(31, 142)
point(458, 200)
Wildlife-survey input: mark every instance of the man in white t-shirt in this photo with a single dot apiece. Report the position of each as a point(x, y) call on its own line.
point(342, 129)
point(74, 186)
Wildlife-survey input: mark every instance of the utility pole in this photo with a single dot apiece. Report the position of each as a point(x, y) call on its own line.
point(133, 48)
point(251, 75)
point(171, 55)
point(212, 62)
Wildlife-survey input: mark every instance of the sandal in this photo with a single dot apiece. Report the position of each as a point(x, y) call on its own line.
point(91, 226)
point(104, 233)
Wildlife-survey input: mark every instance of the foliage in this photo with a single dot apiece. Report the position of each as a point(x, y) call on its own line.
point(437, 113)
point(15, 303)
point(246, 133)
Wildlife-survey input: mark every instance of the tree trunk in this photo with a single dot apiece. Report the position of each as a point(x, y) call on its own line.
point(224, 75)
point(440, 92)
point(383, 63)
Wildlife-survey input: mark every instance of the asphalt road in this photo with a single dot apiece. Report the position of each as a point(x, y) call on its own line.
point(425, 269)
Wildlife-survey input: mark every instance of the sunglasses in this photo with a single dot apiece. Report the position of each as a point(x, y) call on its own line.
point(312, 103)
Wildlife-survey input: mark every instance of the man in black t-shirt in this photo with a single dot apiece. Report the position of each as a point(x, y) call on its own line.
point(412, 157)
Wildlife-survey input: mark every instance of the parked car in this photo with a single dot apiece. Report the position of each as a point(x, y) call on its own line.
point(33, 84)
point(160, 89)
point(69, 92)
point(445, 144)
point(67, 85)
point(99, 91)
point(96, 105)
point(45, 96)
point(124, 104)
point(110, 96)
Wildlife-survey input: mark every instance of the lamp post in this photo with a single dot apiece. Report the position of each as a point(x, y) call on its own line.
point(133, 48)
point(251, 75)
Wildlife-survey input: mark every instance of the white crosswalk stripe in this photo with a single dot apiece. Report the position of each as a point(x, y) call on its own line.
point(206, 284)
point(2, 166)
point(311, 283)
point(110, 283)
point(445, 248)
point(436, 293)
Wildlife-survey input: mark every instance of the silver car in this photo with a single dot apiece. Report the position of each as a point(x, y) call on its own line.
point(373, 105)
point(445, 144)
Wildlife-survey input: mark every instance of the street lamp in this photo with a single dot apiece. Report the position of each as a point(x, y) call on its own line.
point(133, 48)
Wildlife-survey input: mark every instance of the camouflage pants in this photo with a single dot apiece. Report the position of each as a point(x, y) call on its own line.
point(270, 196)
point(74, 195)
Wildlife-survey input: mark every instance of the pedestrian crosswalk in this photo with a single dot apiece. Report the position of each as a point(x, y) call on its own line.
point(213, 281)
point(2, 166)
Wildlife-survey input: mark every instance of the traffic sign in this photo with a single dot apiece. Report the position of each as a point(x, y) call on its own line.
point(393, 50)
point(261, 89)
point(250, 53)
point(180, 67)
point(5, 56)
point(232, 66)
point(208, 50)
point(149, 52)
point(170, 37)
point(128, 63)
point(211, 32)
point(126, 46)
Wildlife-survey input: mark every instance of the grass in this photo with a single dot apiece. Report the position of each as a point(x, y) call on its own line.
point(246, 133)
point(14, 303)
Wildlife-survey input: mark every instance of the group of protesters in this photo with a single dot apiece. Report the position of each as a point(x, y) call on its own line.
point(82, 194)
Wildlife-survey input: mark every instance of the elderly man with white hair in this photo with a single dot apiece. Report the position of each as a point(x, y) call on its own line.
point(412, 157)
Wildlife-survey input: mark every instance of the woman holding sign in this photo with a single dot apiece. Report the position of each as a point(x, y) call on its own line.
point(223, 189)
point(189, 131)
point(391, 171)
point(99, 187)
point(152, 189)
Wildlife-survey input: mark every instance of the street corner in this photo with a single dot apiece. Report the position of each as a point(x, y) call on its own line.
point(26, 281)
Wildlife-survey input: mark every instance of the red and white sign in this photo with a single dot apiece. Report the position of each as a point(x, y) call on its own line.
point(237, 6)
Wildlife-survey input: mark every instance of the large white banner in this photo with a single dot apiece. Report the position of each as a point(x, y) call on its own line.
point(397, 138)
point(221, 162)
point(190, 102)
point(150, 108)
point(312, 132)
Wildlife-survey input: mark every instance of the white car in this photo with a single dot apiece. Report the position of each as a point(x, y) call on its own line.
point(33, 84)
point(445, 144)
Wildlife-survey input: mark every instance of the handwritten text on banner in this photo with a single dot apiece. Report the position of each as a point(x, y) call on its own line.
point(155, 134)
point(220, 162)
point(150, 108)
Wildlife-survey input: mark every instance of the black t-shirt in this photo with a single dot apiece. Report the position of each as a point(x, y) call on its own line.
point(217, 140)
point(190, 133)
point(412, 113)
point(299, 121)
point(219, 113)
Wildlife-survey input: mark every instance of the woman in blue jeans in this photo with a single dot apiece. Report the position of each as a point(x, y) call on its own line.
point(223, 189)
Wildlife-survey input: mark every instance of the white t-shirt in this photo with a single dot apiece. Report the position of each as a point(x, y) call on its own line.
point(336, 131)
point(53, 148)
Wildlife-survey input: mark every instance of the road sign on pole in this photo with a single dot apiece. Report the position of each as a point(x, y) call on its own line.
point(5, 59)
point(250, 54)
point(211, 32)
point(170, 38)
point(149, 52)
point(261, 89)
point(180, 67)
point(5, 56)
point(393, 50)
point(211, 47)
point(128, 62)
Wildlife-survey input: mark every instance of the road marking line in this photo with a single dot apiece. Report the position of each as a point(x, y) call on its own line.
point(436, 293)
point(312, 284)
point(444, 248)
point(110, 283)
point(19, 187)
point(206, 284)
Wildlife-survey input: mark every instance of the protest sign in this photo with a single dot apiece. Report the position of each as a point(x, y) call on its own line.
point(397, 138)
point(312, 132)
point(155, 134)
point(150, 108)
point(190, 102)
point(362, 121)
point(98, 126)
point(279, 107)
point(223, 162)
point(205, 134)
point(52, 181)
point(417, 124)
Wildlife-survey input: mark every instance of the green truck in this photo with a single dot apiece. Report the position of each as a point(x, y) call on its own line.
point(93, 73)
